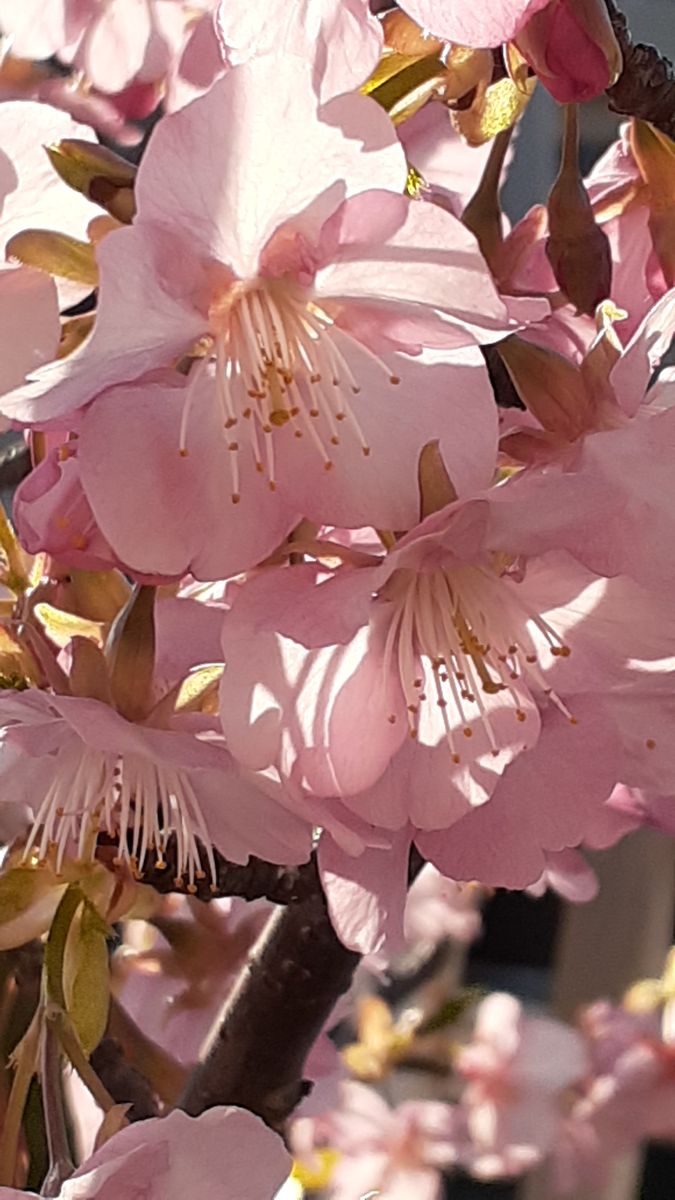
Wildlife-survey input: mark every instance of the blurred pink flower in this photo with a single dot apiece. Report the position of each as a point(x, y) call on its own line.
point(226, 1152)
point(517, 1070)
point(438, 908)
point(114, 43)
point(628, 1098)
point(394, 1153)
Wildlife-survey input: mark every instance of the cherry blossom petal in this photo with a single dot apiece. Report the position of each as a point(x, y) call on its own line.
point(249, 180)
point(29, 324)
point(343, 41)
point(487, 24)
point(184, 499)
point(366, 894)
point(417, 260)
point(114, 45)
point(227, 1149)
point(322, 716)
point(542, 804)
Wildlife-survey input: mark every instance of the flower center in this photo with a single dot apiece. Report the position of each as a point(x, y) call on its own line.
point(460, 637)
point(279, 362)
point(139, 802)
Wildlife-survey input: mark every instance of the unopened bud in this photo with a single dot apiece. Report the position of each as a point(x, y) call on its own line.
point(98, 173)
point(654, 153)
point(573, 49)
point(577, 249)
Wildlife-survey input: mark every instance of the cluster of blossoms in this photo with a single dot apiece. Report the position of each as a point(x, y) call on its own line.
point(348, 539)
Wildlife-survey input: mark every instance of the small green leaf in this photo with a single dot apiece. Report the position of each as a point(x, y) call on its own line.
point(86, 976)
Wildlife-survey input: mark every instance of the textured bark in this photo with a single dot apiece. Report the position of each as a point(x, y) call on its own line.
point(646, 86)
point(279, 1006)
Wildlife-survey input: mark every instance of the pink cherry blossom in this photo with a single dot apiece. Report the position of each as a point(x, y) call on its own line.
point(300, 298)
point(571, 46)
point(226, 1151)
point(393, 1153)
point(517, 1067)
point(52, 514)
point(32, 196)
point(343, 40)
point(520, 566)
point(80, 767)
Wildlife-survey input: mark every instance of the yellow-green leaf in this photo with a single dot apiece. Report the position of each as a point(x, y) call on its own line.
point(79, 162)
point(86, 976)
point(55, 254)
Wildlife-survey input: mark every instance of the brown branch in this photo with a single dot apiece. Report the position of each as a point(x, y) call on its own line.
point(646, 86)
point(257, 880)
point(281, 1002)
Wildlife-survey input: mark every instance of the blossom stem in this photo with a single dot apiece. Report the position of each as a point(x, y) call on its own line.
point(72, 1048)
point(61, 1165)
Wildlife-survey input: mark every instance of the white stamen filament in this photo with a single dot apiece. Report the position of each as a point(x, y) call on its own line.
point(139, 802)
point(277, 362)
point(464, 634)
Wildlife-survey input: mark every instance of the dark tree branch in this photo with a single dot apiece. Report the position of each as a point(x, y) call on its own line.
point(646, 86)
point(281, 1002)
point(257, 880)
